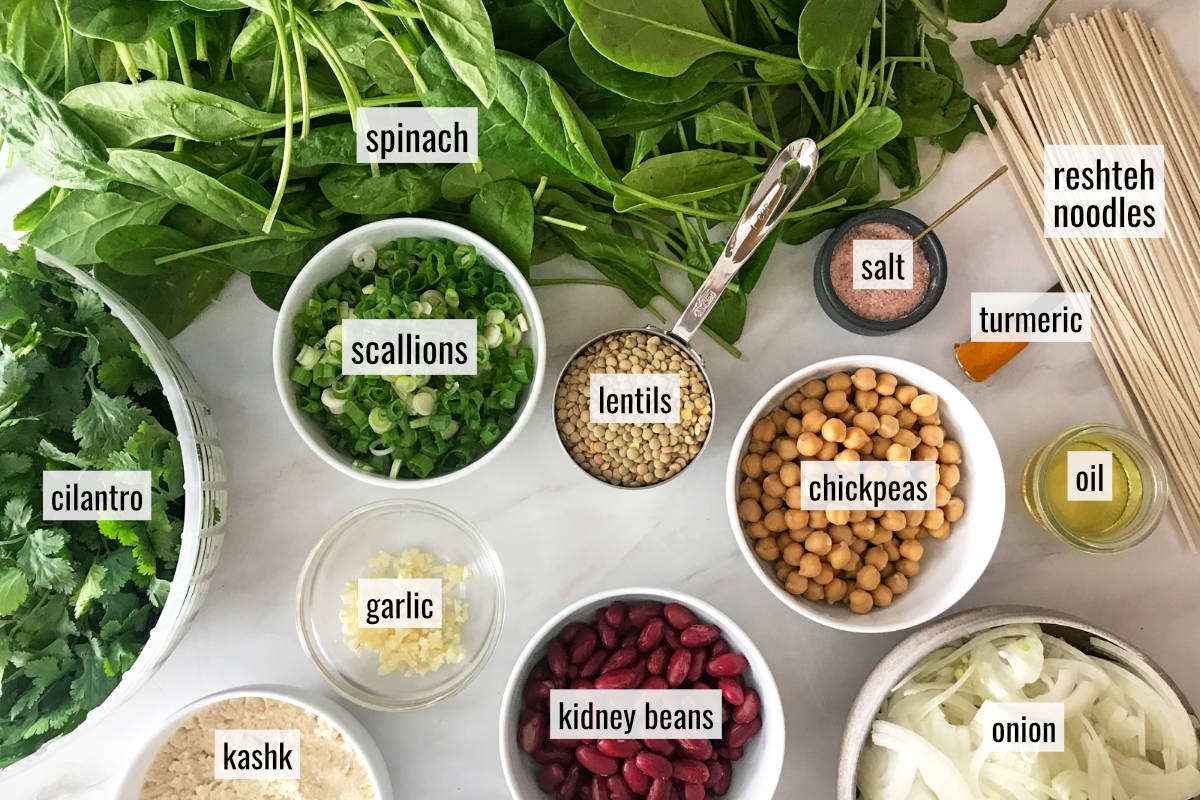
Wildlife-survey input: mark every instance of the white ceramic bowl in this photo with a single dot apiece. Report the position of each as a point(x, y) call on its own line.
point(334, 259)
point(341, 719)
point(755, 775)
point(949, 568)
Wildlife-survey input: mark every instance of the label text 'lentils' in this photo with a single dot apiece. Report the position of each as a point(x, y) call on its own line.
point(627, 398)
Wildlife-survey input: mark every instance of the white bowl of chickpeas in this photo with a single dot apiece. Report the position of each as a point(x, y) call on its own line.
point(871, 571)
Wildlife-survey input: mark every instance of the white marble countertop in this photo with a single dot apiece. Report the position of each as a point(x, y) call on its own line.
point(561, 535)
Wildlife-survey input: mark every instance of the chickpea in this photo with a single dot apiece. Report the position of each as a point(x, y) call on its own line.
point(848, 455)
point(786, 448)
point(886, 571)
point(866, 421)
point(840, 533)
point(847, 416)
point(810, 565)
point(782, 570)
point(774, 521)
point(933, 434)
point(864, 529)
point(907, 418)
point(863, 378)
point(771, 462)
point(792, 403)
point(914, 517)
point(855, 557)
point(948, 475)
point(764, 430)
point(794, 497)
point(897, 583)
point(813, 389)
point(866, 401)
point(782, 540)
point(909, 532)
point(810, 404)
point(858, 515)
point(898, 452)
point(828, 451)
point(837, 516)
point(793, 428)
point(834, 430)
point(907, 567)
point(903, 437)
point(889, 426)
point(809, 444)
point(855, 438)
point(924, 405)
point(879, 447)
point(885, 383)
point(839, 556)
point(749, 510)
point(818, 542)
point(817, 519)
point(838, 382)
point(933, 519)
point(882, 596)
point(795, 583)
point(758, 448)
point(932, 419)
point(906, 394)
point(925, 452)
point(779, 417)
point(876, 557)
point(773, 486)
point(888, 405)
point(835, 590)
point(789, 473)
point(812, 421)
point(860, 601)
point(954, 509)
point(941, 532)
point(881, 536)
point(867, 577)
point(825, 575)
point(770, 503)
point(796, 519)
point(752, 465)
point(814, 592)
point(893, 553)
point(941, 496)
point(893, 520)
point(752, 489)
point(835, 402)
point(793, 553)
point(950, 453)
point(767, 549)
point(912, 550)
point(757, 530)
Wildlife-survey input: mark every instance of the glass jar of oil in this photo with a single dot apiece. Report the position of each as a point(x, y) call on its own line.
point(1135, 475)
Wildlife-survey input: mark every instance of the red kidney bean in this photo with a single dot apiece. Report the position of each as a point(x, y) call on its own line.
point(620, 659)
point(731, 753)
point(701, 685)
point(693, 791)
point(727, 665)
point(742, 732)
point(540, 670)
point(656, 663)
point(654, 682)
point(639, 669)
point(559, 682)
point(591, 667)
point(619, 748)
point(556, 657)
point(714, 772)
point(551, 777)
point(570, 744)
point(664, 747)
point(651, 635)
point(569, 630)
point(616, 613)
point(618, 789)
point(748, 710)
point(679, 616)
point(719, 648)
point(653, 764)
point(618, 679)
point(583, 644)
point(732, 691)
point(594, 761)
point(537, 693)
point(700, 749)
point(552, 753)
point(699, 659)
point(532, 731)
point(678, 667)
point(726, 777)
point(570, 784)
point(642, 613)
point(638, 781)
point(690, 770)
point(609, 638)
point(699, 635)
point(660, 790)
point(725, 713)
point(582, 683)
point(599, 788)
point(671, 637)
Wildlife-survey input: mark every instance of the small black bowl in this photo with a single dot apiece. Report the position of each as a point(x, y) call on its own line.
point(837, 311)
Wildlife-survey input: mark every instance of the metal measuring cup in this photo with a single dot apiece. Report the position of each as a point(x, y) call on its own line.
point(782, 184)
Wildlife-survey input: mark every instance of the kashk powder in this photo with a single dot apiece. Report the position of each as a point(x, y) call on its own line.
point(881, 305)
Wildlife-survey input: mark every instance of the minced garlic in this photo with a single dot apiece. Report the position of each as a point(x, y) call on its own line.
point(415, 650)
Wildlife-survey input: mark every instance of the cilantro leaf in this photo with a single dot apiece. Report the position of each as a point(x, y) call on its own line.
point(92, 684)
point(107, 423)
point(131, 535)
point(91, 588)
point(13, 590)
point(14, 381)
point(43, 671)
point(39, 559)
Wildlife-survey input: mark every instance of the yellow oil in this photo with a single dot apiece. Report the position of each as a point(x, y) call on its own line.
point(1097, 520)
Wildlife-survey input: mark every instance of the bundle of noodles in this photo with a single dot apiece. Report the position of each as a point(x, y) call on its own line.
point(1108, 79)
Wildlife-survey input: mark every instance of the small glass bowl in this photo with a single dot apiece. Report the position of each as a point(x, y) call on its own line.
point(341, 557)
point(1155, 489)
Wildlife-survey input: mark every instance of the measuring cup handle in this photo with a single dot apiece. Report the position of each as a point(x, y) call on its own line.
point(774, 197)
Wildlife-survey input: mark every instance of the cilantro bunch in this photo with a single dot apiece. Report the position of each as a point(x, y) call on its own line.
point(77, 599)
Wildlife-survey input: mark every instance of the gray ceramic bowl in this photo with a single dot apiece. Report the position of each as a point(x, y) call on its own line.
point(912, 650)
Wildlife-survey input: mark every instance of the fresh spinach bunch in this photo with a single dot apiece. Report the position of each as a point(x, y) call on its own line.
point(189, 139)
point(77, 599)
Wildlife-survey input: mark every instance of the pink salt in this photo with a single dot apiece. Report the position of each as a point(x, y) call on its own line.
point(881, 305)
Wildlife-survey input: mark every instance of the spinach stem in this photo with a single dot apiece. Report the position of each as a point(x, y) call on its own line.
point(650, 199)
point(422, 87)
point(208, 248)
point(849, 121)
point(127, 61)
point(679, 265)
point(336, 64)
point(301, 69)
point(201, 31)
point(940, 26)
point(61, 7)
point(414, 30)
point(541, 187)
point(812, 102)
point(185, 71)
point(394, 11)
point(281, 41)
point(816, 209)
point(562, 223)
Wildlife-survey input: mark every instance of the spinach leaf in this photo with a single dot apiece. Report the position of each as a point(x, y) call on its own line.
point(928, 103)
point(832, 31)
point(991, 51)
point(463, 181)
point(502, 213)
point(331, 144)
point(31, 215)
point(33, 39)
point(557, 11)
point(523, 27)
point(129, 115)
point(899, 159)
point(974, 10)
point(171, 299)
point(71, 229)
point(872, 130)
point(650, 88)
point(682, 177)
point(463, 30)
point(270, 288)
point(662, 38)
point(943, 60)
point(398, 189)
point(131, 250)
point(257, 34)
point(953, 140)
point(387, 69)
point(126, 21)
point(644, 141)
point(726, 123)
point(47, 139)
